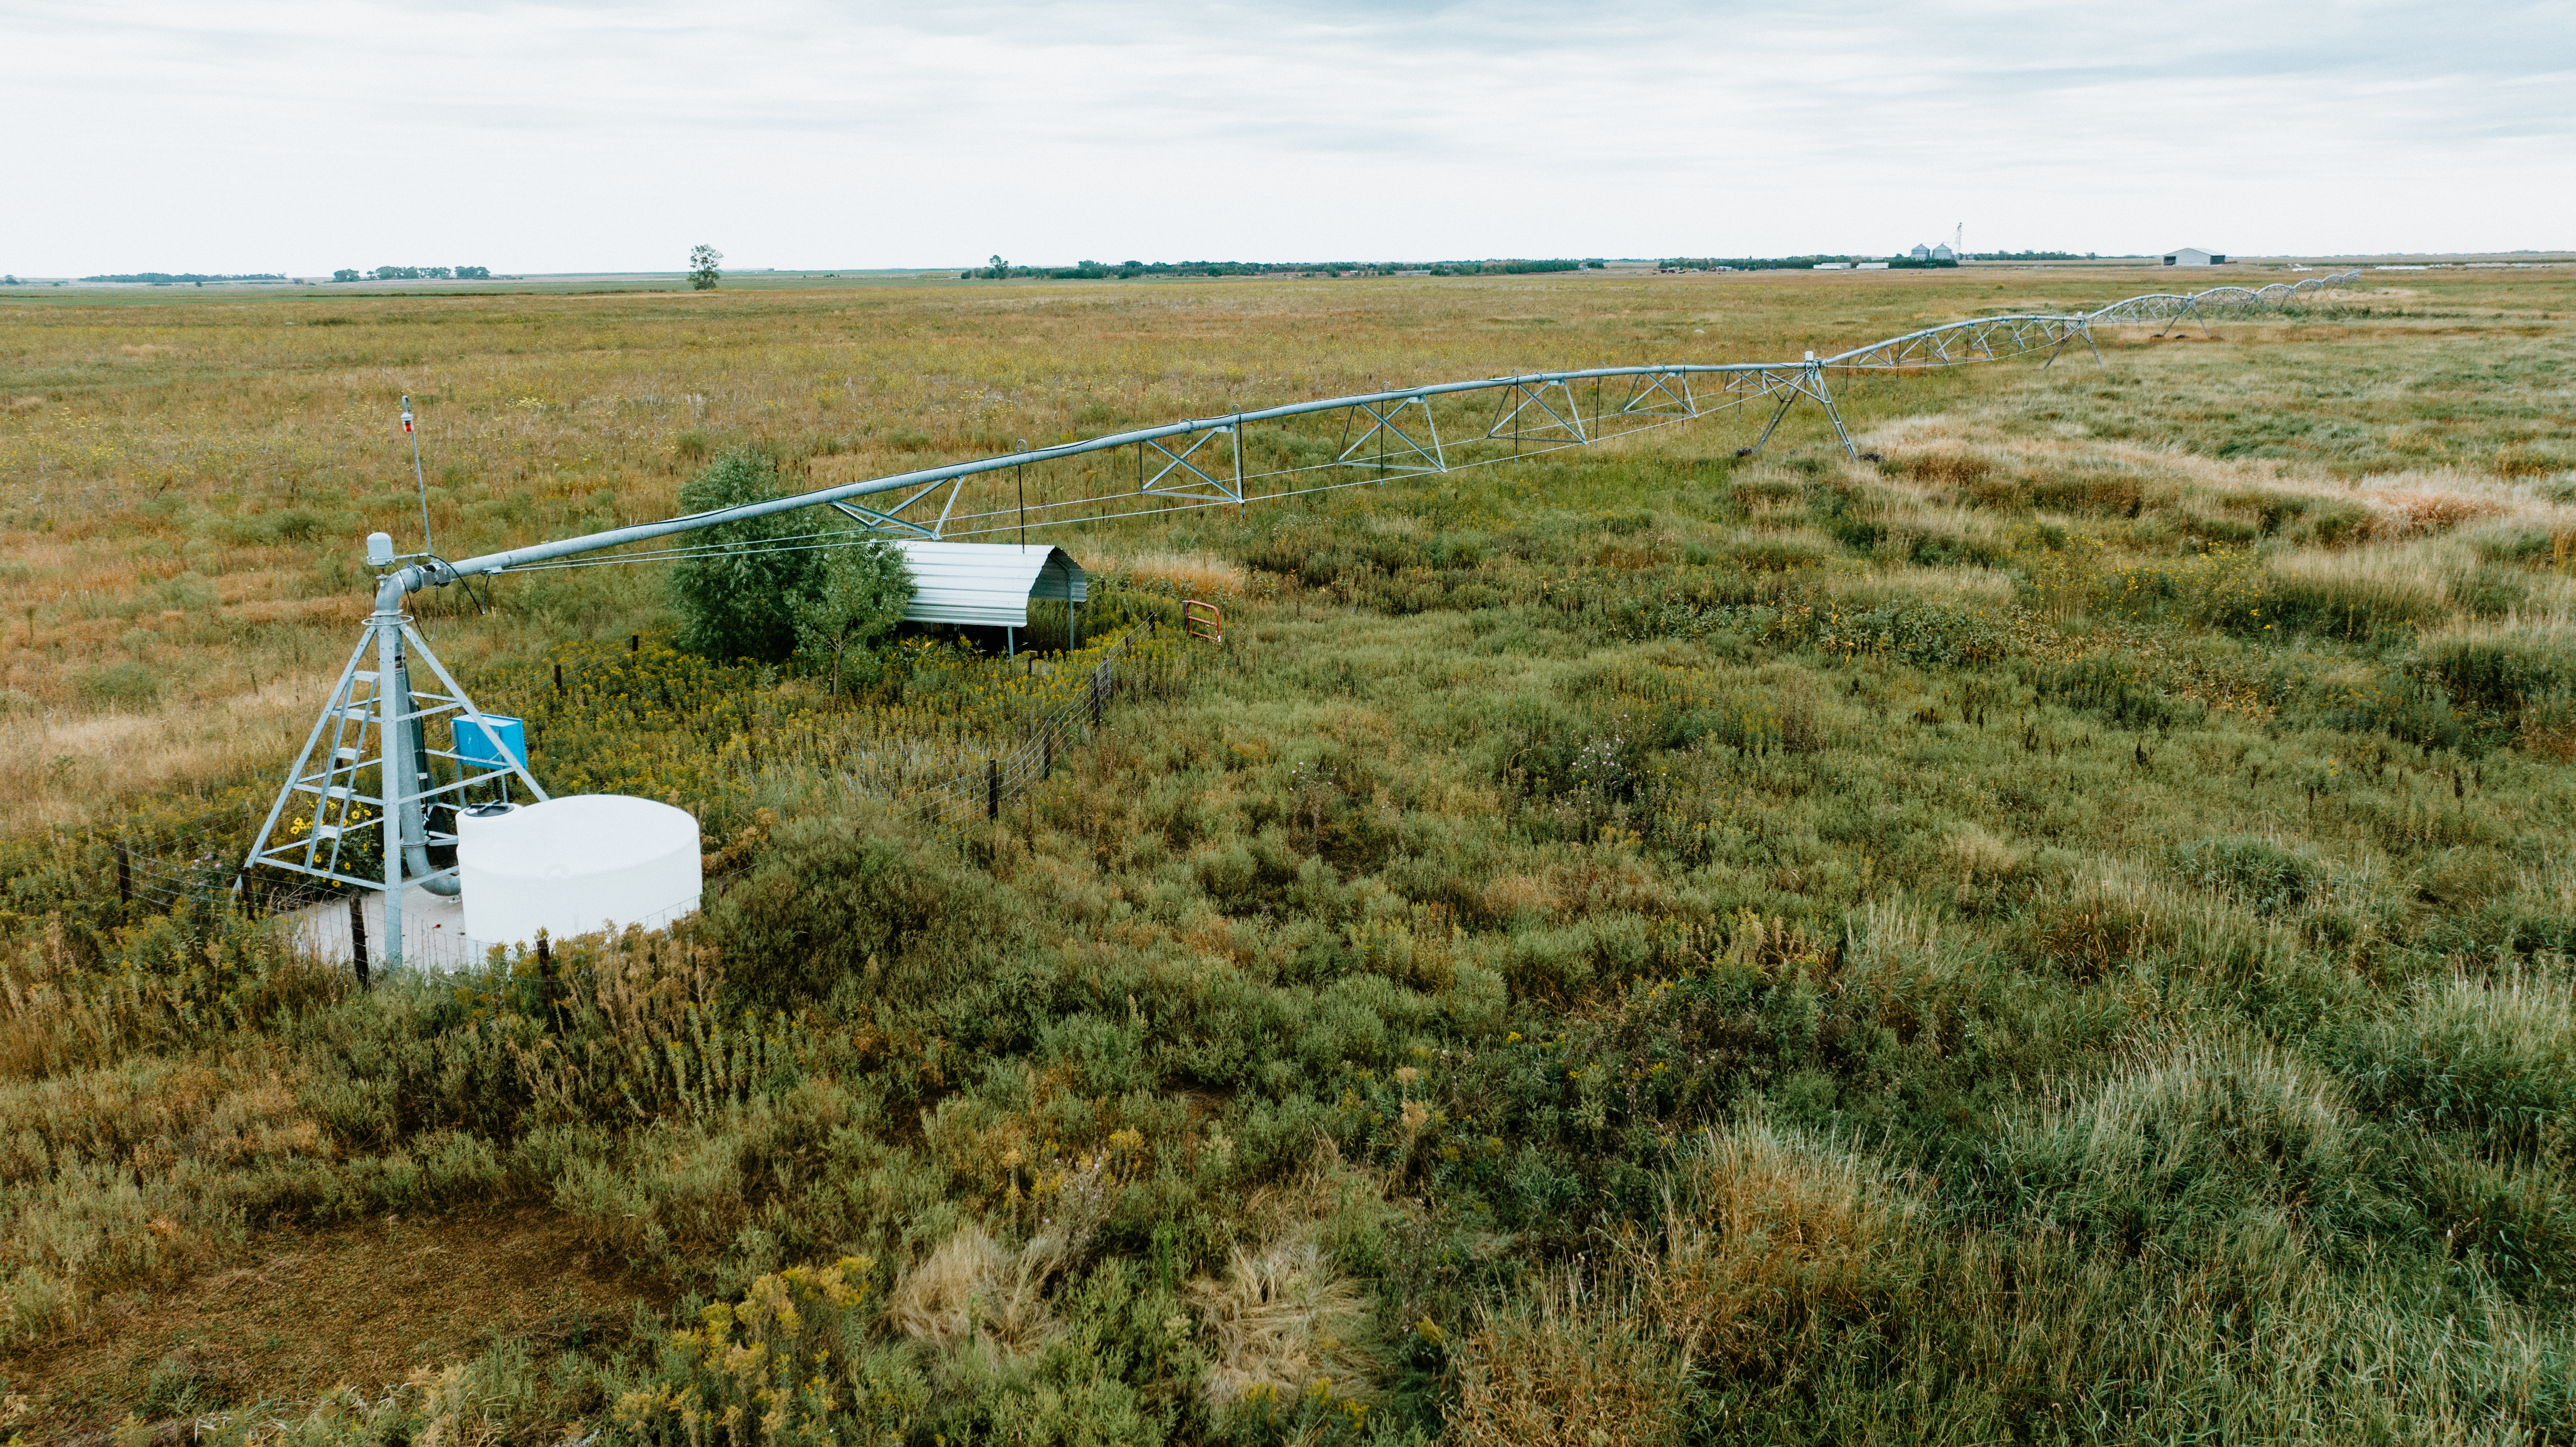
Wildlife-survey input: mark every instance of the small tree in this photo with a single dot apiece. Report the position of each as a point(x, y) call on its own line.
point(703, 274)
point(737, 601)
point(860, 592)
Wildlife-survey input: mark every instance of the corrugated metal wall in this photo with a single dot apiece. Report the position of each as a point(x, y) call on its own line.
point(988, 584)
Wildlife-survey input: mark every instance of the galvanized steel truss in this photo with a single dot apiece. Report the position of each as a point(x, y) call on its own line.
point(1305, 447)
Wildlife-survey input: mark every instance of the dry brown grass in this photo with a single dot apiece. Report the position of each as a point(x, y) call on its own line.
point(1765, 1230)
point(1569, 1367)
point(1184, 575)
point(971, 1288)
point(1979, 854)
point(1766, 1226)
point(1281, 1322)
point(199, 428)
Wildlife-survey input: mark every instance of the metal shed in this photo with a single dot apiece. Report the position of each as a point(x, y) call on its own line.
point(2193, 256)
point(988, 585)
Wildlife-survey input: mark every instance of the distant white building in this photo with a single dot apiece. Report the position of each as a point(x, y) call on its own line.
point(1921, 253)
point(1833, 266)
point(1943, 252)
point(2193, 256)
point(1869, 266)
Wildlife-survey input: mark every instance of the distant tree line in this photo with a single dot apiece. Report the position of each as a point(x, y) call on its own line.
point(414, 273)
point(181, 278)
point(1000, 270)
point(1508, 268)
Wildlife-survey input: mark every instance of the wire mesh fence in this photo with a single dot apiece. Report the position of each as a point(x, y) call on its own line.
point(972, 798)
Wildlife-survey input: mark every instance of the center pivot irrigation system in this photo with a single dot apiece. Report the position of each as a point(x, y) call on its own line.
point(375, 728)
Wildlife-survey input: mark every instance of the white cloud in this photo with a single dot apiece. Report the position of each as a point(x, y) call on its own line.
point(537, 137)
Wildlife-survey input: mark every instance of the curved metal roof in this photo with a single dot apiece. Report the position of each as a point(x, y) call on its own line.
point(988, 583)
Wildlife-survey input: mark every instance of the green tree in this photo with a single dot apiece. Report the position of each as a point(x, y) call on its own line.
point(703, 274)
point(737, 601)
point(860, 592)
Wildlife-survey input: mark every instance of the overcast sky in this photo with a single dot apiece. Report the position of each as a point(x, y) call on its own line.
point(277, 135)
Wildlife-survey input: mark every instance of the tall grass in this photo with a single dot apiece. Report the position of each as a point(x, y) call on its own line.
point(1658, 945)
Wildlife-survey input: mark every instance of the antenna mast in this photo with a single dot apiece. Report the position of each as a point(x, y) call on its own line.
point(419, 479)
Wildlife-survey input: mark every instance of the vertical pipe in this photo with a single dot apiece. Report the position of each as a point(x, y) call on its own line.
point(391, 767)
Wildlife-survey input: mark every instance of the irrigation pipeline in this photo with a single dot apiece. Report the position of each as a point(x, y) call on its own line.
point(1302, 448)
point(377, 719)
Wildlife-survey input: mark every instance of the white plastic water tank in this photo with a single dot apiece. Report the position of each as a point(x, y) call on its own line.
point(471, 821)
point(573, 865)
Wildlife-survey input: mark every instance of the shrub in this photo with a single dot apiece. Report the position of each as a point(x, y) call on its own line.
point(834, 905)
point(738, 601)
point(857, 595)
point(777, 1367)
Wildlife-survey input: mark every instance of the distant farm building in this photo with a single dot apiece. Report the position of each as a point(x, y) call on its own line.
point(2193, 256)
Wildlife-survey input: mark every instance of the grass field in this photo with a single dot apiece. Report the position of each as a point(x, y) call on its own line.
point(2061, 934)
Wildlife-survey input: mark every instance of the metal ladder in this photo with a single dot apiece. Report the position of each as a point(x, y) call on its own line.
point(352, 712)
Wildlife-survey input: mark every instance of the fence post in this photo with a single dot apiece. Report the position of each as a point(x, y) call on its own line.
point(124, 877)
point(1095, 698)
point(992, 788)
point(1047, 770)
point(358, 937)
point(546, 975)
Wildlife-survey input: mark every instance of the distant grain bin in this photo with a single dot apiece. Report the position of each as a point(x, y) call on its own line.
point(2193, 256)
